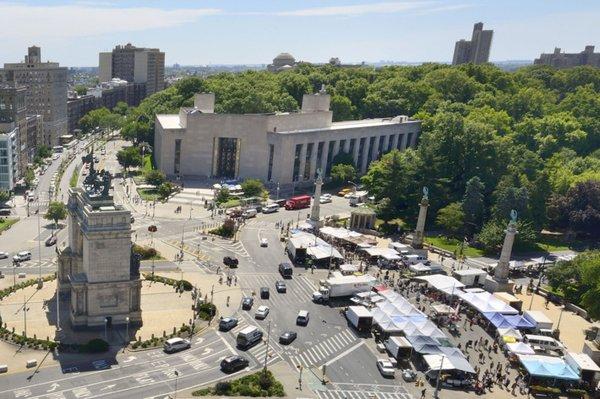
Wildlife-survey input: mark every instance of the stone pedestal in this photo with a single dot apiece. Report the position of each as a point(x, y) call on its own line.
point(492, 284)
point(419, 234)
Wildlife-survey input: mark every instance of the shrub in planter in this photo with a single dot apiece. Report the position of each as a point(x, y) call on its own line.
point(187, 286)
point(97, 345)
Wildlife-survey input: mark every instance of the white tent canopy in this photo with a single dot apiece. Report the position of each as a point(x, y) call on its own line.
point(520, 348)
point(485, 302)
point(385, 253)
point(443, 362)
point(510, 332)
point(423, 268)
point(443, 283)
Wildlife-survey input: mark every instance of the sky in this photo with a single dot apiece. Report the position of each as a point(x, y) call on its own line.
point(199, 32)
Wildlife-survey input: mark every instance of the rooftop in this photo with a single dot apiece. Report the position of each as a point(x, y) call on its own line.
point(169, 121)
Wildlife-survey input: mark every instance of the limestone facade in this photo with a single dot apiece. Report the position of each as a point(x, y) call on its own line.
point(97, 268)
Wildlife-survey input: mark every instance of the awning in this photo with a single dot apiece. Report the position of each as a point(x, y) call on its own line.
point(440, 282)
point(423, 268)
point(500, 320)
point(485, 302)
point(386, 253)
point(443, 309)
point(548, 367)
point(510, 332)
point(443, 362)
point(520, 348)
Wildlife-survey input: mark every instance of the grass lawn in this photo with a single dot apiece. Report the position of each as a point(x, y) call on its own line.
point(6, 223)
point(232, 203)
point(74, 178)
point(148, 194)
point(451, 244)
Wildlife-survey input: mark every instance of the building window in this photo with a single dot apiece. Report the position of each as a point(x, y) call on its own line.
point(296, 170)
point(309, 149)
point(329, 157)
point(399, 143)
point(408, 139)
point(370, 150)
point(380, 148)
point(351, 148)
point(271, 156)
point(177, 157)
point(361, 148)
point(319, 156)
point(342, 145)
point(390, 142)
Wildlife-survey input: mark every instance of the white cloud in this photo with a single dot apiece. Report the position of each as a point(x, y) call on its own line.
point(363, 9)
point(26, 22)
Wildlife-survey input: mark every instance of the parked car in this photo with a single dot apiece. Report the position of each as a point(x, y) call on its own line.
point(287, 337)
point(227, 323)
point(231, 261)
point(3, 255)
point(50, 241)
point(386, 368)
point(264, 293)
point(324, 200)
point(22, 256)
point(264, 242)
point(234, 363)
point(176, 344)
point(280, 286)
point(247, 303)
point(262, 312)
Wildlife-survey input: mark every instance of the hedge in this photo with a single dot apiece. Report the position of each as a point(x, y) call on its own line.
point(260, 384)
point(24, 284)
point(187, 286)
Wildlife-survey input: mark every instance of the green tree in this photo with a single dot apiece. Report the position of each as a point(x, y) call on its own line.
point(578, 209)
point(28, 176)
point(385, 210)
point(222, 196)
point(342, 173)
point(121, 108)
point(342, 108)
point(4, 196)
point(343, 158)
point(56, 211)
point(451, 218)
point(155, 177)
point(137, 131)
point(81, 90)
point(508, 197)
point(492, 235)
point(253, 187)
point(43, 151)
point(473, 204)
point(165, 190)
point(129, 157)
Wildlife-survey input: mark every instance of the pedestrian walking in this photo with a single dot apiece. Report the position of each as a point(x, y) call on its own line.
point(423, 392)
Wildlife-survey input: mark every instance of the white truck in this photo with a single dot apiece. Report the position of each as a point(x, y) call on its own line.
point(343, 286)
point(360, 317)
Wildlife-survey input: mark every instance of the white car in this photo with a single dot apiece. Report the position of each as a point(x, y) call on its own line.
point(261, 312)
point(264, 242)
point(324, 200)
point(176, 344)
point(3, 255)
point(386, 368)
point(22, 256)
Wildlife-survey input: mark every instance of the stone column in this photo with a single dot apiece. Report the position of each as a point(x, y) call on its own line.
point(502, 269)
point(315, 211)
point(419, 234)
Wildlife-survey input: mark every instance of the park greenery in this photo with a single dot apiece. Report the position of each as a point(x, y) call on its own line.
point(578, 281)
point(56, 211)
point(259, 384)
point(491, 140)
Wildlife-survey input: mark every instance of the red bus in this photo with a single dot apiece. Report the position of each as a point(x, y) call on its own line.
point(299, 202)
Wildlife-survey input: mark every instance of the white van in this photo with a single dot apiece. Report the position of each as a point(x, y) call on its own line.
point(249, 213)
point(271, 208)
point(543, 342)
point(248, 337)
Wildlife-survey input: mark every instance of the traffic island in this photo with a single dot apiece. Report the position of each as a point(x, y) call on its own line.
point(260, 384)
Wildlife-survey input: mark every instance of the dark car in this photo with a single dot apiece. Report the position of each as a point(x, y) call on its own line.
point(234, 363)
point(264, 293)
point(247, 303)
point(50, 241)
point(227, 323)
point(280, 286)
point(287, 337)
point(231, 261)
point(286, 270)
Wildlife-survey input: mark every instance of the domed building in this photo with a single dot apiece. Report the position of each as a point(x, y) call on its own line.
point(282, 62)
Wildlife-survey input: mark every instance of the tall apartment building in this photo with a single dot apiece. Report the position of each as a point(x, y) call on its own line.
point(567, 60)
point(477, 50)
point(46, 91)
point(13, 131)
point(135, 65)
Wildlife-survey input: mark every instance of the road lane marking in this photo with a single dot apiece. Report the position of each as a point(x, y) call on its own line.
point(346, 352)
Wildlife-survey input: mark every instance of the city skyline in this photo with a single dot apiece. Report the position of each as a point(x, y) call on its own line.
point(212, 32)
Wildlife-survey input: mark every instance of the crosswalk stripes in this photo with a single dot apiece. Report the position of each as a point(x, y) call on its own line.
point(259, 350)
point(31, 264)
point(324, 350)
point(350, 394)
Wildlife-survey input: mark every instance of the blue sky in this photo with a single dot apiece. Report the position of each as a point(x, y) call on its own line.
point(254, 31)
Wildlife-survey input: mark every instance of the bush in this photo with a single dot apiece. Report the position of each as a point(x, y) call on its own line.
point(144, 252)
point(259, 384)
point(187, 286)
point(96, 345)
point(155, 177)
point(206, 310)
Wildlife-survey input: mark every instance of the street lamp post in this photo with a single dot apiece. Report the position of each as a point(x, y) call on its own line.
point(40, 282)
point(267, 351)
point(24, 316)
point(126, 332)
point(176, 380)
point(106, 329)
point(437, 382)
